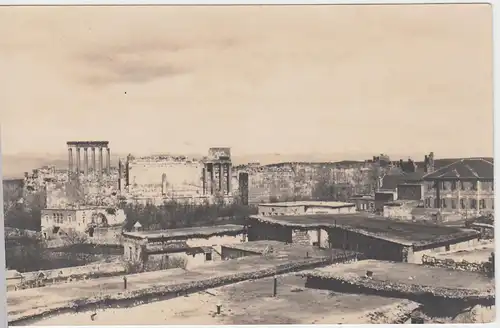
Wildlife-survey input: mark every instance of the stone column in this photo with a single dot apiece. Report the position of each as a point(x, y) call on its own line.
point(211, 178)
point(229, 178)
point(221, 177)
point(100, 161)
point(70, 160)
point(85, 161)
point(204, 179)
point(108, 161)
point(77, 160)
point(94, 166)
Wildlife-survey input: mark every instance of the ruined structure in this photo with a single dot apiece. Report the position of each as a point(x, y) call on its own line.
point(59, 222)
point(217, 174)
point(86, 146)
point(296, 180)
point(179, 178)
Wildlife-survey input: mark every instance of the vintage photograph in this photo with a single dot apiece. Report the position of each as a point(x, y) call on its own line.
point(284, 164)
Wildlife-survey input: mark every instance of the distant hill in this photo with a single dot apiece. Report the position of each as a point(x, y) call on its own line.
point(14, 166)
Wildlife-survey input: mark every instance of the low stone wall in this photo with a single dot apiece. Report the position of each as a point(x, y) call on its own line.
point(454, 265)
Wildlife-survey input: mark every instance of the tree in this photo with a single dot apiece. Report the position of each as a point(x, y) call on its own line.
point(171, 215)
point(25, 254)
point(72, 237)
point(27, 212)
point(490, 265)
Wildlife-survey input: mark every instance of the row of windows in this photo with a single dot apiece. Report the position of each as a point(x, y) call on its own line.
point(59, 218)
point(466, 185)
point(465, 203)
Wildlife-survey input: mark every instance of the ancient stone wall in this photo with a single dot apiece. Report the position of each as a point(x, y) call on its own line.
point(287, 181)
point(165, 175)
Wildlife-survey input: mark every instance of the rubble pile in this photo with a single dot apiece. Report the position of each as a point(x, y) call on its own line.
point(455, 265)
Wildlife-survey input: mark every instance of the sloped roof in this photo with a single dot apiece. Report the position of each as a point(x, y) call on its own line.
point(391, 181)
point(466, 168)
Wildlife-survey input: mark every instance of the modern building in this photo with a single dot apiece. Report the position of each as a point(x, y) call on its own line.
point(195, 245)
point(374, 236)
point(60, 221)
point(465, 186)
point(364, 203)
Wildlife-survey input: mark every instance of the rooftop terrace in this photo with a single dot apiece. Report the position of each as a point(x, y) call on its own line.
point(251, 302)
point(25, 305)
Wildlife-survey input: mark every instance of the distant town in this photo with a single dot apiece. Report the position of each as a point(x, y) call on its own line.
point(193, 240)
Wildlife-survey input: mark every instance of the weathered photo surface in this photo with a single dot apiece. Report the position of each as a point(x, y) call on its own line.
point(248, 164)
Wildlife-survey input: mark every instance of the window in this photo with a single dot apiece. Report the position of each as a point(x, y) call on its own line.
point(482, 204)
point(130, 252)
point(462, 203)
point(427, 202)
point(462, 185)
point(443, 203)
point(443, 185)
point(473, 204)
point(453, 185)
point(474, 185)
point(208, 256)
point(453, 204)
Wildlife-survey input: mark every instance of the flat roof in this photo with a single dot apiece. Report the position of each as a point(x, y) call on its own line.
point(251, 302)
point(186, 232)
point(279, 248)
point(401, 232)
point(22, 304)
point(405, 274)
point(309, 203)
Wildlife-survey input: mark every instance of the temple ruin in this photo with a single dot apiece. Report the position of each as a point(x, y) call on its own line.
point(104, 167)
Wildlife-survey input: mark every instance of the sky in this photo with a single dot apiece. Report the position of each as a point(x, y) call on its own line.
point(281, 79)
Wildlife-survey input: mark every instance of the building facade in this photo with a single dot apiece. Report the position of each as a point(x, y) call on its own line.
point(374, 236)
point(465, 186)
point(57, 222)
point(193, 246)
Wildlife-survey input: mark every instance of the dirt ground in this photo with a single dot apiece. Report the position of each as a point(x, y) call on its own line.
point(412, 274)
point(250, 302)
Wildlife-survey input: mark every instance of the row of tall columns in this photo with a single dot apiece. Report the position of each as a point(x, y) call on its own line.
point(210, 186)
point(99, 170)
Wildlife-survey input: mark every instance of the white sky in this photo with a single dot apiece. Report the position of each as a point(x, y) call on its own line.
point(288, 79)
